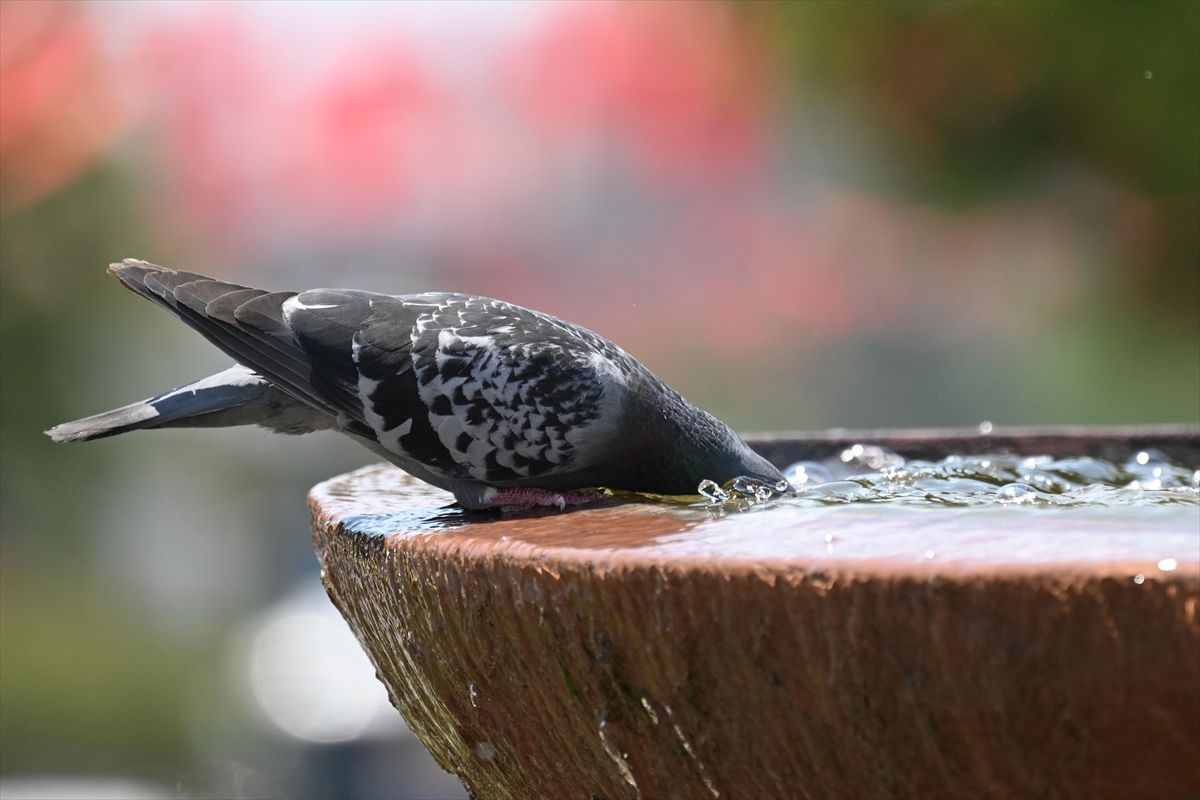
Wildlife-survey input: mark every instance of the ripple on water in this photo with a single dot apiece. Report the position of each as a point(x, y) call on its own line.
point(871, 503)
point(870, 474)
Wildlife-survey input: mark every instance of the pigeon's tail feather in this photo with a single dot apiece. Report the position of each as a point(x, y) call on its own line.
point(247, 324)
point(236, 396)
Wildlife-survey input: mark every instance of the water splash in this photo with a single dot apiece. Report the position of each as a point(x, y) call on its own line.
point(870, 474)
point(741, 492)
point(871, 457)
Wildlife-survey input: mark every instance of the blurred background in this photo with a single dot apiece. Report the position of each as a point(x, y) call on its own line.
point(808, 215)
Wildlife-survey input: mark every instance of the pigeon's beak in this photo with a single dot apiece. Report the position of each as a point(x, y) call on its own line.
point(758, 468)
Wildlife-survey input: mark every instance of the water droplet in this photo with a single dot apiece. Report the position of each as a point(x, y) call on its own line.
point(650, 710)
point(807, 473)
point(485, 750)
point(1147, 74)
point(1139, 579)
point(1017, 494)
point(1168, 564)
point(617, 758)
point(687, 748)
point(473, 691)
point(871, 457)
point(985, 427)
point(1142, 458)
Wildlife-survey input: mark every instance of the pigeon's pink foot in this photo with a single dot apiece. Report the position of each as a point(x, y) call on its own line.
point(520, 497)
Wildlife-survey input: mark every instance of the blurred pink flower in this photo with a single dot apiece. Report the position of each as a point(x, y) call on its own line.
point(681, 84)
point(257, 142)
point(592, 160)
point(210, 94)
point(260, 140)
point(360, 136)
point(58, 111)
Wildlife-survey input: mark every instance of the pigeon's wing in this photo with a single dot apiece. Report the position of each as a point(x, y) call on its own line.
point(475, 388)
point(360, 347)
point(509, 396)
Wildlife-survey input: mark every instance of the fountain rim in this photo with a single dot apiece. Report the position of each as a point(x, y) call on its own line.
point(459, 544)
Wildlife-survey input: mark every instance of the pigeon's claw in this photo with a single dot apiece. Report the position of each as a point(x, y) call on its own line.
point(523, 498)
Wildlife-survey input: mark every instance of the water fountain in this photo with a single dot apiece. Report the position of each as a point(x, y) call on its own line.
point(996, 626)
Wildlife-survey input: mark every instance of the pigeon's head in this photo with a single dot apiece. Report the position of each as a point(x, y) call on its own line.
point(704, 448)
point(737, 460)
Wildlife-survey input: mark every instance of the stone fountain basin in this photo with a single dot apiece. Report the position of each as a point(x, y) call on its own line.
point(650, 650)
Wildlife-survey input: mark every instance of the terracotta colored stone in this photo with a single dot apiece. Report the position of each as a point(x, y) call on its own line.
point(605, 653)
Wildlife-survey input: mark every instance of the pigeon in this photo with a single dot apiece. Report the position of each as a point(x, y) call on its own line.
point(500, 405)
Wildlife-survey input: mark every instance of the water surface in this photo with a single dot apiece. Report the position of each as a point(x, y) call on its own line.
point(865, 504)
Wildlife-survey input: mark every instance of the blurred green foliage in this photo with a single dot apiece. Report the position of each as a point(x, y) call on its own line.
point(983, 93)
point(85, 687)
point(981, 97)
point(46, 320)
